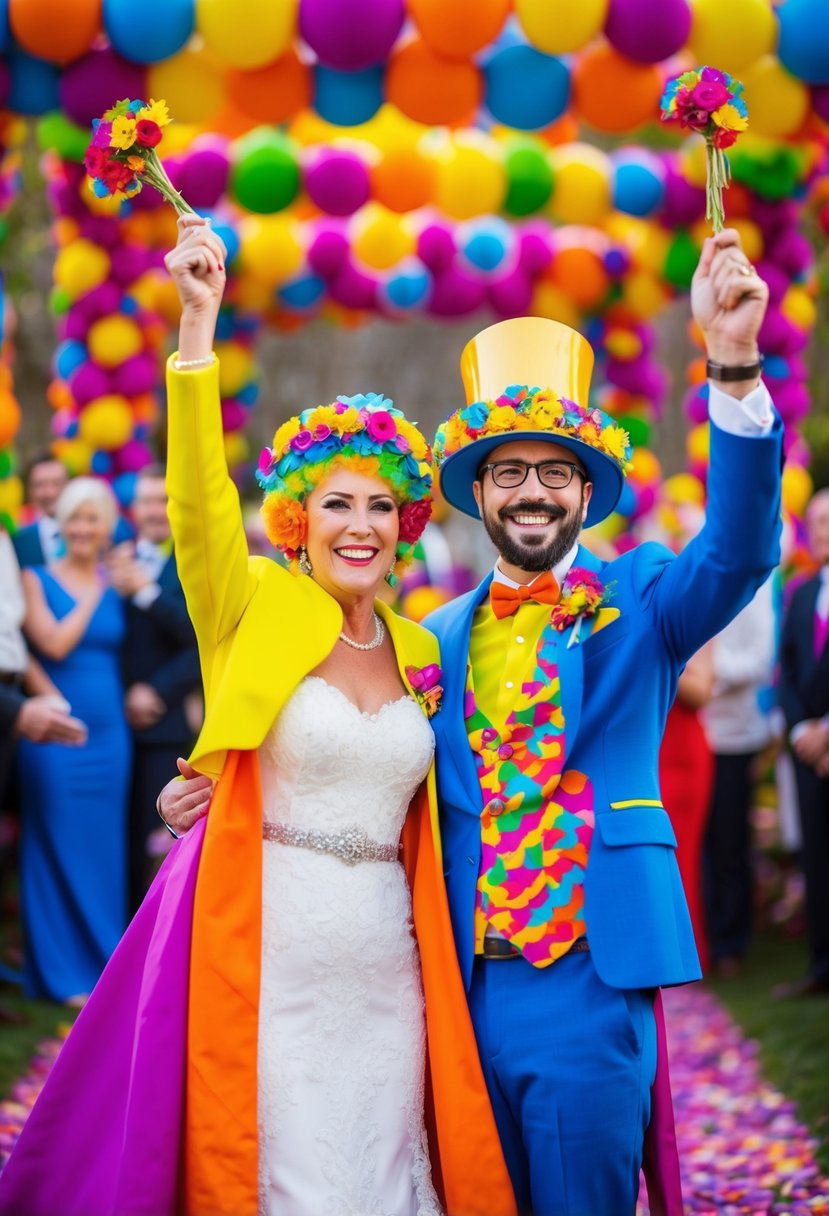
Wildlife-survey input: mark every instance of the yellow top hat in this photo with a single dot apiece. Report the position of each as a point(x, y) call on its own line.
point(527, 350)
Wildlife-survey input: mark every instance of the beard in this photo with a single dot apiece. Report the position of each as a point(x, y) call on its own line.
point(534, 554)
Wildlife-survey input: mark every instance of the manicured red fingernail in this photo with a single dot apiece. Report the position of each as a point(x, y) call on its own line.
point(221, 267)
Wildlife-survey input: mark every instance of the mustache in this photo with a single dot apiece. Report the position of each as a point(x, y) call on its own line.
point(550, 509)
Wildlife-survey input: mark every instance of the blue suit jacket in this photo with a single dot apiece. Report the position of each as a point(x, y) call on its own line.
point(617, 686)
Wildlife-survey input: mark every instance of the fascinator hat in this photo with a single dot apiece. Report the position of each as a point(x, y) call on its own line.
point(364, 434)
point(499, 368)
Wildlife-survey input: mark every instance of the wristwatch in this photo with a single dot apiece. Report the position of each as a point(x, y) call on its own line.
point(742, 371)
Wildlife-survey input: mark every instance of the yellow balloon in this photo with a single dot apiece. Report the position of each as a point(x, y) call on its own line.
point(76, 454)
point(796, 489)
point(698, 443)
point(798, 307)
point(646, 467)
point(79, 267)
point(237, 449)
point(777, 101)
point(559, 26)
point(644, 294)
point(609, 529)
point(582, 177)
point(692, 163)
point(192, 83)
point(113, 339)
point(470, 177)
point(381, 237)
point(249, 35)
point(106, 423)
point(11, 495)
point(731, 35)
point(271, 248)
point(751, 238)
point(252, 295)
point(235, 367)
point(684, 487)
point(550, 301)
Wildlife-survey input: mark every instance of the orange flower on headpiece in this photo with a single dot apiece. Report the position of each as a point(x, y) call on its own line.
point(286, 523)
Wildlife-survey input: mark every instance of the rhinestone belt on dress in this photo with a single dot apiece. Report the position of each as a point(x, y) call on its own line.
point(350, 845)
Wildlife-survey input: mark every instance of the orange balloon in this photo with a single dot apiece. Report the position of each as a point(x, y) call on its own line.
point(458, 28)
point(59, 395)
point(431, 89)
point(580, 273)
point(612, 93)
point(9, 418)
point(55, 29)
point(404, 179)
point(273, 93)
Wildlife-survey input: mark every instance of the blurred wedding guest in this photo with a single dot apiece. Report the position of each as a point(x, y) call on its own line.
point(686, 772)
point(804, 697)
point(74, 801)
point(738, 727)
point(40, 541)
point(160, 666)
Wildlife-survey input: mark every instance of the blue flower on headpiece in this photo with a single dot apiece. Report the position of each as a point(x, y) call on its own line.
point(362, 443)
point(475, 415)
point(373, 400)
point(289, 463)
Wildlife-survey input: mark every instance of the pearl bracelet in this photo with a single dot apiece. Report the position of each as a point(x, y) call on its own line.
point(180, 364)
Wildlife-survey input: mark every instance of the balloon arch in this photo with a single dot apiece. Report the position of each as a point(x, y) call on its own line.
point(400, 157)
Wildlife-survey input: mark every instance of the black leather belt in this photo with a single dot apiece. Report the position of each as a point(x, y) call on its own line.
point(12, 677)
point(499, 947)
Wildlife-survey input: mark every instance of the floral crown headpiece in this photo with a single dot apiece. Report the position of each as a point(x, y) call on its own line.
point(521, 408)
point(365, 434)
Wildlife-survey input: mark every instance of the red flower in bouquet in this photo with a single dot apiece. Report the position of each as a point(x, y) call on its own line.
point(414, 516)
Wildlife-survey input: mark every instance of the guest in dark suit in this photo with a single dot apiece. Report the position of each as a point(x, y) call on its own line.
point(804, 696)
point(40, 542)
point(161, 664)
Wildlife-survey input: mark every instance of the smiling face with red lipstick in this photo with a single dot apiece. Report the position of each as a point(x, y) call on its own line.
point(352, 533)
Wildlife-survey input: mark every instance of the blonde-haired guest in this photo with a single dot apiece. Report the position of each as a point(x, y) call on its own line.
point(73, 846)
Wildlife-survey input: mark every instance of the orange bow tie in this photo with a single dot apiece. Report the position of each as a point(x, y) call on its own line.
point(506, 600)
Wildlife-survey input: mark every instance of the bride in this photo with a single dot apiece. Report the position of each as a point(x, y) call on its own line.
point(258, 1041)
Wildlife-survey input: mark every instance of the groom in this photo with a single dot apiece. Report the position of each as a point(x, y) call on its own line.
point(558, 672)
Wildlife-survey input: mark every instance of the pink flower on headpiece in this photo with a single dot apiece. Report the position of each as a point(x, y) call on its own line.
point(402, 444)
point(709, 95)
point(321, 431)
point(302, 441)
point(414, 516)
point(380, 425)
point(265, 460)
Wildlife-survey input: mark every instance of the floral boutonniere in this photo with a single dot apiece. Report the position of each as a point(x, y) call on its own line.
point(426, 686)
point(582, 594)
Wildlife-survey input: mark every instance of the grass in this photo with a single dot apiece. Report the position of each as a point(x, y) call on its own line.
point(18, 1042)
point(793, 1034)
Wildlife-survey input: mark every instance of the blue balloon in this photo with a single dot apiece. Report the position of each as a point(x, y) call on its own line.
point(231, 239)
point(69, 356)
point(303, 292)
point(124, 487)
point(347, 98)
point(803, 48)
point(407, 288)
point(101, 463)
point(627, 501)
point(33, 87)
point(5, 32)
point(150, 31)
point(776, 367)
point(485, 243)
point(638, 184)
point(524, 88)
point(248, 395)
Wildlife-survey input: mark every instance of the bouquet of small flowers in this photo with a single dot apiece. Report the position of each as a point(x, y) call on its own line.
point(710, 102)
point(123, 156)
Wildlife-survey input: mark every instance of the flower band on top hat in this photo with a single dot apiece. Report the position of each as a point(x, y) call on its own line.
point(555, 354)
point(364, 434)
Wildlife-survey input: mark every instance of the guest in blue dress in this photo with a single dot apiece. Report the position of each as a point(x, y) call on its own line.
point(73, 856)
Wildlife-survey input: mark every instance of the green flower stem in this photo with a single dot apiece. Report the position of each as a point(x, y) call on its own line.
point(718, 177)
point(155, 174)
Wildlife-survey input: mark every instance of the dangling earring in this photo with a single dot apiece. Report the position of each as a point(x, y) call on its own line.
point(391, 577)
point(304, 562)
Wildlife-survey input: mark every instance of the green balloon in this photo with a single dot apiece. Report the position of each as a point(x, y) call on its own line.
point(4, 229)
point(57, 133)
point(681, 262)
point(265, 173)
point(529, 177)
point(637, 428)
point(773, 174)
point(6, 464)
point(60, 301)
point(7, 521)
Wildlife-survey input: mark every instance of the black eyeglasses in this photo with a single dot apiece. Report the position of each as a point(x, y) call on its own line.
point(554, 474)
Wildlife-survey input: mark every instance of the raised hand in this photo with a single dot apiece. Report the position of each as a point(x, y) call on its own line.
point(728, 300)
point(197, 267)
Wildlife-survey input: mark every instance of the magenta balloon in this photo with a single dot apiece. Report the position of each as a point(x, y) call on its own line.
point(132, 456)
point(792, 252)
point(353, 289)
point(820, 100)
point(100, 301)
point(645, 501)
point(512, 295)
point(436, 246)
point(648, 30)
point(456, 293)
point(73, 327)
point(137, 375)
point(775, 278)
point(535, 248)
point(103, 230)
point(96, 81)
point(778, 336)
point(65, 200)
point(128, 263)
point(328, 249)
point(683, 203)
point(792, 401)
point(88, 382)
point(234, 416)
point(202, 178)
point(341, 40)
point(337, 181)
point(5, 84)
point(695, 406)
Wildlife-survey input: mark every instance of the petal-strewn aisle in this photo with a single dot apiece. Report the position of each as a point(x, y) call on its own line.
point(743, 1150)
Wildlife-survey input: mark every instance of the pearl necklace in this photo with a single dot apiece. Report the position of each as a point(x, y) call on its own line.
point(379, 634)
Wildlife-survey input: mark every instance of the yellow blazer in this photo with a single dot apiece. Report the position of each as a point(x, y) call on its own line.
point(260, 631)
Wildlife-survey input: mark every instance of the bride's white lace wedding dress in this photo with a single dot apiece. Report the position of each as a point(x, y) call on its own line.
point(341, 1020)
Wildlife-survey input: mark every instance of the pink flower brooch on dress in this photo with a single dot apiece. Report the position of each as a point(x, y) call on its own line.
point(582, 594)
point(426, 686)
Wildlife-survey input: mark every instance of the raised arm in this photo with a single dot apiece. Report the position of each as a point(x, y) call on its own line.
point(205, 514)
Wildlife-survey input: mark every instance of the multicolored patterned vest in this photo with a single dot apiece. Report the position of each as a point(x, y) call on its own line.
point(537, 820)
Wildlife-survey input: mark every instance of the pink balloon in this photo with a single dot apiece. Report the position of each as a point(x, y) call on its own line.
point(436, 246)
point(648, 30)
point(139, 374)
point(132, 456)
point(128, 263)
point(535, 248)
point(456, 293)
point(88, 382)
point(512, 295)
point(100, 301)
point(202, 177)
point(792, 401)
point(103, 230)
point(353, 289)
point(234, 416)
point(341, 40)
point(73, 327)
point(337, 181)
point(695, 406)
point(792, 252)
point(93, 83)
point(820, 100)
point(777, 281)
point(778, 336)
point(684, 203)
point(328, 249)
point(5, 84)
